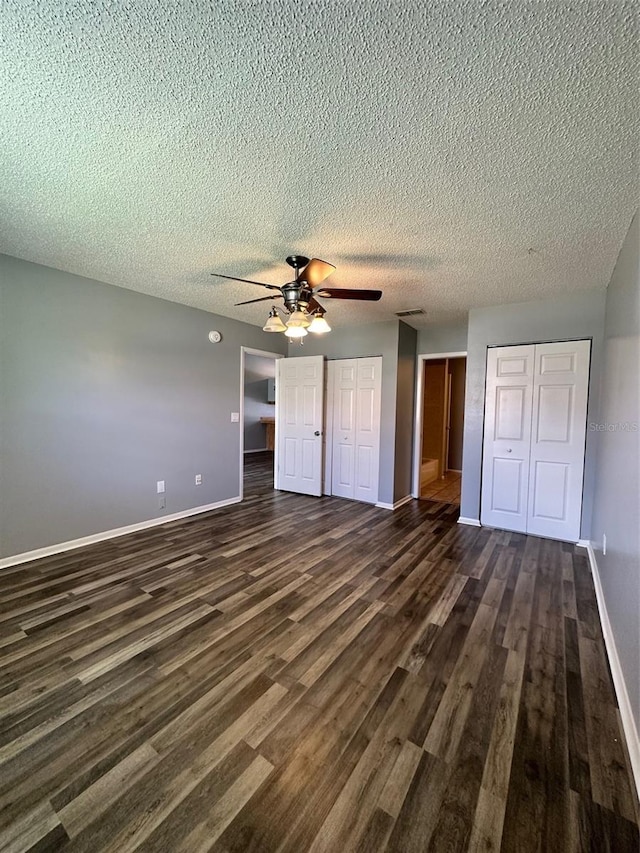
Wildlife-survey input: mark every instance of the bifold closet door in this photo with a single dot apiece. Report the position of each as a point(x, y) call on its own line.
point(558, 434)
point(534, 440)
point(356, 389)
point(507, 437)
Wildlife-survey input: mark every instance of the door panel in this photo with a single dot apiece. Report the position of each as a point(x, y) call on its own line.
point(345, 409)
point(345, 466)
point(290, 404)
point(507, 492)
point(555, 408)
point(557, 362)
point(366, 469)
point(507, 437)
point(289, 453)
point(299, 416)
point(558, 439)
point(366, 410)
point(510, 416)
point(512, 365)
point(550, 491)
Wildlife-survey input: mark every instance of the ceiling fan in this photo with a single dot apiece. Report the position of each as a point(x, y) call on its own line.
point(300, 297)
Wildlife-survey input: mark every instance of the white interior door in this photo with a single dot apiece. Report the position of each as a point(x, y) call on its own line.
point(507, 437)
point(299, 424)
point(355, 448)
point(558, 434)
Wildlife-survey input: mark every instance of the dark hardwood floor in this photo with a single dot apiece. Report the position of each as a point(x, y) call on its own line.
point(306, 674)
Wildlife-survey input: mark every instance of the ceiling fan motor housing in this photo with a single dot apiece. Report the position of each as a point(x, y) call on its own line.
point(296, 295)
point(299, 293)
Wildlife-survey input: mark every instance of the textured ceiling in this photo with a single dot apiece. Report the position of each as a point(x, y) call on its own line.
point(453, 154)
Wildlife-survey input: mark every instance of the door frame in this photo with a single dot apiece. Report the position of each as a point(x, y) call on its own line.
point(244, 351)
point(417, 409)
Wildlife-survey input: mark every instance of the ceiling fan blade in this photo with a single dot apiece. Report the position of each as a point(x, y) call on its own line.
point(246, 280)
point(315, 306)
point(348, 293)
point(315, 272)
point(261, 299)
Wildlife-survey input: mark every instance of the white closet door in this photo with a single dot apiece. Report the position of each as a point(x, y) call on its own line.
point(344, 428)
point(558, 439)
point(507, 437)
point(355, 447)
point(367, 446)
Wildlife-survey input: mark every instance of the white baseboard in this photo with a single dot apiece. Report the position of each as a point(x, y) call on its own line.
point(395, 504)
point(59, 548)
point(626, 714)
point(257, 450)
point(472, 522)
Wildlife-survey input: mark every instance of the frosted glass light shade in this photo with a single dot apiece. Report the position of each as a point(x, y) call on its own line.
point(300, 319)
point(274, 323)
point(295, 331)
point(319, 325)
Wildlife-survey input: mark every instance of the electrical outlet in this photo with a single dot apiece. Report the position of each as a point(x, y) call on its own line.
point(160, 487)
point(604, 543)
point(162, 502)
point(235, 417)
point(198, 479)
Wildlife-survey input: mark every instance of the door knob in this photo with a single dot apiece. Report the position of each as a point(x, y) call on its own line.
point(508, 450)
point(317, 432)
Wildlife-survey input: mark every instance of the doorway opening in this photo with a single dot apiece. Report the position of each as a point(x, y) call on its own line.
point(257, 419)
point(440, 391)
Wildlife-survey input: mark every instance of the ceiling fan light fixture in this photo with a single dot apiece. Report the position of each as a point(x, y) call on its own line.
point(274, 323)
point(303, 311)
point(298, 319)
point(319, 325)
point(295, 331)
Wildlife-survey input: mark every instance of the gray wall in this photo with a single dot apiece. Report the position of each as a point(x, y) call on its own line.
point(405, 400)
point(443, 338)
point(103, 392)
point(256, 407)
point(359, 342)
point(616, 510)
point(568, 317)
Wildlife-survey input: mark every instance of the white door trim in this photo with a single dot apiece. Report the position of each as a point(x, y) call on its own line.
point(417, 408)
point(244, 351)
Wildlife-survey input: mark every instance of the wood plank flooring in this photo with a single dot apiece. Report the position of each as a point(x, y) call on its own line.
point(304, 674)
